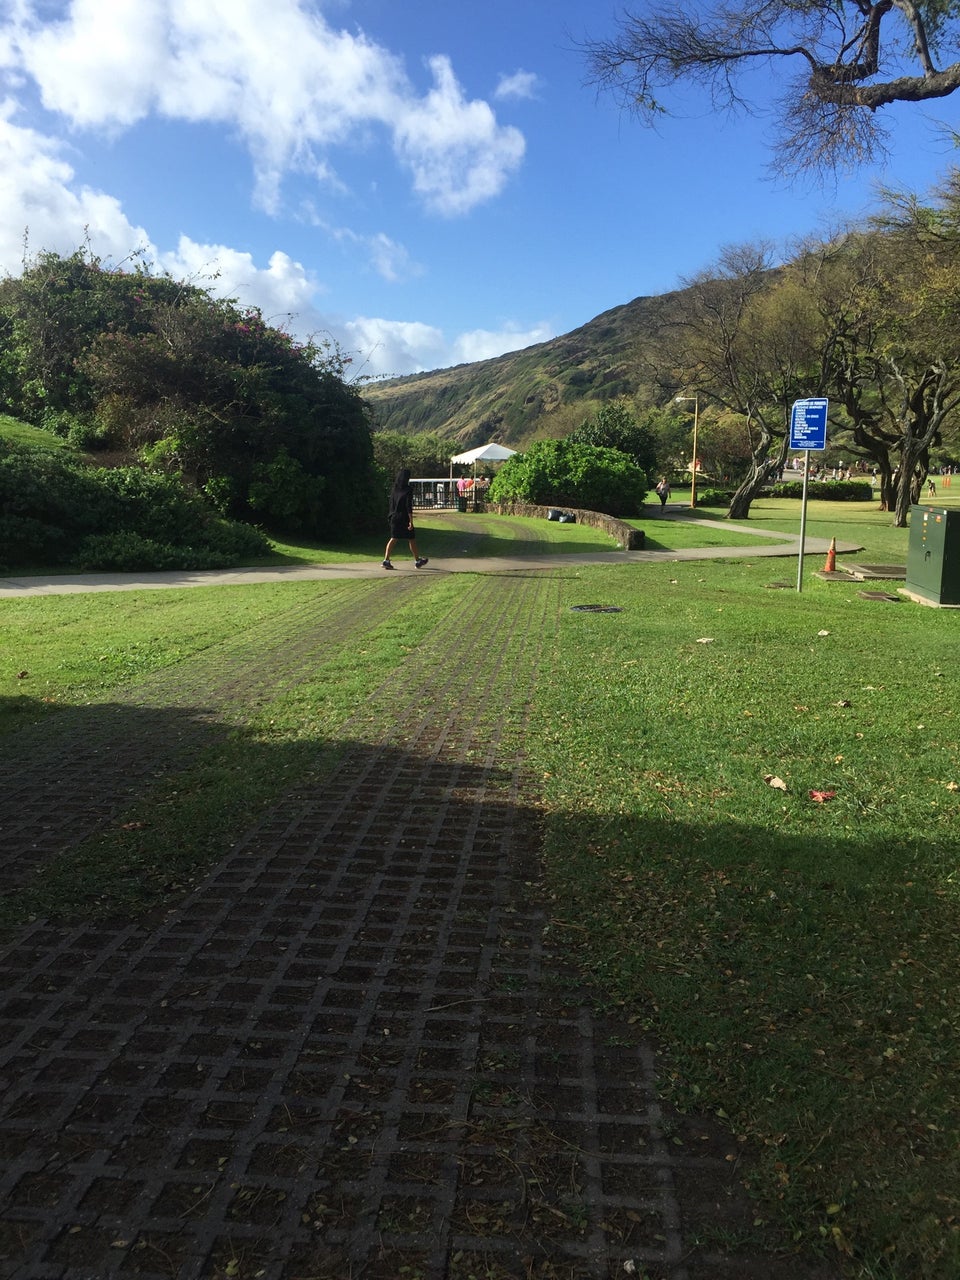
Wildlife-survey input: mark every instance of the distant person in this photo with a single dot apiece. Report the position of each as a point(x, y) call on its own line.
point(401, 520)
point(931, 488)
point(663, 491)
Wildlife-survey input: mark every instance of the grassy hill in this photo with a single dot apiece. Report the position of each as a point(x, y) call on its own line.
point(543, 390)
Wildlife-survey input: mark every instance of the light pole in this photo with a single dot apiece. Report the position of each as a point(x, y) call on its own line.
point(693, 469)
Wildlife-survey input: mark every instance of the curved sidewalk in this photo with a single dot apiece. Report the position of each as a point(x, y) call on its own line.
point(68, 584)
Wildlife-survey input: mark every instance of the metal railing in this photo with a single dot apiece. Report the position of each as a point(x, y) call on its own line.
point(443, 493)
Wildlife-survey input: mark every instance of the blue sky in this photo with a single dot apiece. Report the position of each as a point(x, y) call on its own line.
point(426, 181)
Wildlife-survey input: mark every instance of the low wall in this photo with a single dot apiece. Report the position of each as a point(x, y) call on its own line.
point(626, 536)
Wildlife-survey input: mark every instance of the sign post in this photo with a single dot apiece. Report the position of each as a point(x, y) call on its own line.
point(808, 431)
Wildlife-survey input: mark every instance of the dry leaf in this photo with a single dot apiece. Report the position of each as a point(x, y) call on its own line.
point(842, 703)
point(823, 633)
point(822, 796)
point(705, 640)
point(773, 781)
point(952, 786)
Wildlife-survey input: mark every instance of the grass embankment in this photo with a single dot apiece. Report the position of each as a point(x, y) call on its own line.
point(752, 805)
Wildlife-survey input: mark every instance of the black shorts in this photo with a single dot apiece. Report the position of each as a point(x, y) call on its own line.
point(400, 527)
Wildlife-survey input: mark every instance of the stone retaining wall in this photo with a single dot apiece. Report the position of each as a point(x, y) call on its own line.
point(627, 537)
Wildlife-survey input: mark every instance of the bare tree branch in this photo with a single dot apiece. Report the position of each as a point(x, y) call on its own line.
point(858, 56)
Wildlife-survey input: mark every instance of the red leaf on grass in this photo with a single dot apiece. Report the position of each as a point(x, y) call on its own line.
point(822, 796)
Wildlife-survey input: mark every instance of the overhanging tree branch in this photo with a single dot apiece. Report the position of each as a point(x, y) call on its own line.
point(859, 56)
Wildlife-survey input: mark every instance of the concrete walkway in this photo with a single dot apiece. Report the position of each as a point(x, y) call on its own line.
point(66, 584)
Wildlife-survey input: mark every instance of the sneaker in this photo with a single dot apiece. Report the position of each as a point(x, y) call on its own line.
point(422, 561)
point(387, 564)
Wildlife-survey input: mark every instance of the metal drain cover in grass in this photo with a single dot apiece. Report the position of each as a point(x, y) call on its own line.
point(778, 586)
point(878, 595)
point(595, 608)
point(878, 570)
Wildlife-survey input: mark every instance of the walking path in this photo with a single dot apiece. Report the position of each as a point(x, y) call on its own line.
point(353, 1051)
point(83, 582)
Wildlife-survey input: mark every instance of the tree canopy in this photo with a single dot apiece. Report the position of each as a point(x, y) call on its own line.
point(869, 319)
point(835, 63)
point(265, 426)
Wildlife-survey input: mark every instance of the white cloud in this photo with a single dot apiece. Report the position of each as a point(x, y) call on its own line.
point(390, 260)
point(484, 344)
point(522, 84)
point(284, 290)
point(305, 88)
point(42, 199)
point(459, 155)
point(41, 202)
point(389, 347)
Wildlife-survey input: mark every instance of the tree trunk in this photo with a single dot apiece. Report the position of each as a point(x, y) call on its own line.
point(761, 469)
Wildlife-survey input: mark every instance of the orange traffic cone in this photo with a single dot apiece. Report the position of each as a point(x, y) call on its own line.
point(831, 564)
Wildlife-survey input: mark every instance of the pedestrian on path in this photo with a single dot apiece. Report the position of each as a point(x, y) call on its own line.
point(401, 520)
point(663, 491)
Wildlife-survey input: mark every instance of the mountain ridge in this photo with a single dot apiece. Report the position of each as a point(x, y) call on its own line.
point(543, 390)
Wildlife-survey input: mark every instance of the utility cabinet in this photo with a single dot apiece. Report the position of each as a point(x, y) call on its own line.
point(933, 554)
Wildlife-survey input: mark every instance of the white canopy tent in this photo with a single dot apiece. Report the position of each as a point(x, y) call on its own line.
point(484, 453)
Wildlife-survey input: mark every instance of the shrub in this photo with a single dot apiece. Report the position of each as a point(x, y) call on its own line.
point(565, 474)
point(714, 497)
point(122, 518)
point(829, 490)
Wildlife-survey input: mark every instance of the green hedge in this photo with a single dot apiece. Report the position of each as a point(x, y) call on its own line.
point(826, 490)
point(54, 510)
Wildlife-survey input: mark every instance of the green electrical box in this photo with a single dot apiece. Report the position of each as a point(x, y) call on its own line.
point(933, 555)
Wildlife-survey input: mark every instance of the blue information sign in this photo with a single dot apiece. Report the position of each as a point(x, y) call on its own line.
point(808, 424)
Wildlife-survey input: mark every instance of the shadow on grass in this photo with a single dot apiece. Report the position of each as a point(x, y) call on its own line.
point(801, 985)
point(365, 936)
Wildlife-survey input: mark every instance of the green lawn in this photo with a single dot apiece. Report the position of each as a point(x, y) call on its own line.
point(22, 433)
point(751, 839)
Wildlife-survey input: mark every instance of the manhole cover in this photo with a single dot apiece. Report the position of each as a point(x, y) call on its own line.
point(878, 570)
point(778, 586)
point(878, 595)
point(595, 608)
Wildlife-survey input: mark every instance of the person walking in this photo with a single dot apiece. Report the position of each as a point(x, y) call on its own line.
point(401, 520)
point(663, 491)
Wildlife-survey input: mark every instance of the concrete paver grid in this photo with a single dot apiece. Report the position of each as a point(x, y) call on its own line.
point(349, 1053)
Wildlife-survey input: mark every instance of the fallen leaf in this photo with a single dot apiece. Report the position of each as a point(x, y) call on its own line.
point(773, 781)
point(132, 826)
point(952, 786)
point(822, 796)
point(823, 633)
point(705, 640)
point(842, 703)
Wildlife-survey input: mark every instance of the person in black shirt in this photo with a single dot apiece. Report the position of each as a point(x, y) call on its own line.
point(401, 520)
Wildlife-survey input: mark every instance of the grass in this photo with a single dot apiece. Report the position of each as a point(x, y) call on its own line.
point(22, 433)
point(184, 819)
point(795, 957)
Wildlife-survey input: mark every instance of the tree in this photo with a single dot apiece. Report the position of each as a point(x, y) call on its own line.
point(423, 454)
point(855, 56)
point(748, 351)
point(614, 426)
point(265, 426)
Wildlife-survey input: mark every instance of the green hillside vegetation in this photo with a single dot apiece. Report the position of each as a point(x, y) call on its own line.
point(545, 390)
